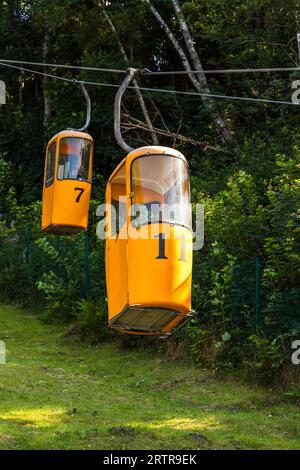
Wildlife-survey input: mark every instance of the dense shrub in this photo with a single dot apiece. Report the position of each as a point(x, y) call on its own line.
point(244, 221)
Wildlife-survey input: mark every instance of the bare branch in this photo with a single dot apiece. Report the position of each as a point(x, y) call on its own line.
point(159, 114)
point(177, 131)
point(136, 123)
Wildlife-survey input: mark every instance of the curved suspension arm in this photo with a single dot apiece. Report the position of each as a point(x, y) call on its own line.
point(88, 108)
point(117, 110)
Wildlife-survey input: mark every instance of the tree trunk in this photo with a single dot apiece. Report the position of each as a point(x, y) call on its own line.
point(297, 18)
point(21, 86)
point(175, 43)
point(220, 123)
point(134, 81)
point(199, 81)
point(47, 101)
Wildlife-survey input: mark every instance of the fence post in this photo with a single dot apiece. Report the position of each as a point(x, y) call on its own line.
point(257, 293)
point(27, 261)
point(28, 243)
point(58, 248)
point(87, 266)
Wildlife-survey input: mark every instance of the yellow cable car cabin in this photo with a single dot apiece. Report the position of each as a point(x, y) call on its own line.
point(149, 242)
point(67, 182)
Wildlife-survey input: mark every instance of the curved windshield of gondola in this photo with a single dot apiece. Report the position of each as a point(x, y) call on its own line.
point(74, 159)
point(160, 190)
point(50, 164)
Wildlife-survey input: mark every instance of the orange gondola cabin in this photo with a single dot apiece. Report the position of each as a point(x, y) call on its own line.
point(67, 182)
point(149, 242)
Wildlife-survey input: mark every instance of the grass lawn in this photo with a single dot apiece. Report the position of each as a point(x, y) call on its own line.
point(57, 394)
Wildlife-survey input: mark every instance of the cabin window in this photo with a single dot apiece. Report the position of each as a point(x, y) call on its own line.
point(118, 201)
point(74, 159)
point(50, 164)
point(160, 184)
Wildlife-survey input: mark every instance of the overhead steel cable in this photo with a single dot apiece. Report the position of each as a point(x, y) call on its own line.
point(63, 66)
point(157, 90)
point(225, 97)
point(36, 72)
point(223, 71)
point(162, 72)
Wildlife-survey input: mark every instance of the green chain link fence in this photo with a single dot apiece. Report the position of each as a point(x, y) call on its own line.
point(32, 262)
point(28, 258)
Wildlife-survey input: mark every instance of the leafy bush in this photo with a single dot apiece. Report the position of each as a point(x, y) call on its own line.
point(92, 321)
point(243, 221)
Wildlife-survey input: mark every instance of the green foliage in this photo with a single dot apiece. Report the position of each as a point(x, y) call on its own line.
point(263, 358)
point(92, 321)
point(59, 300)
point(243, 220)
point(52, 271)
